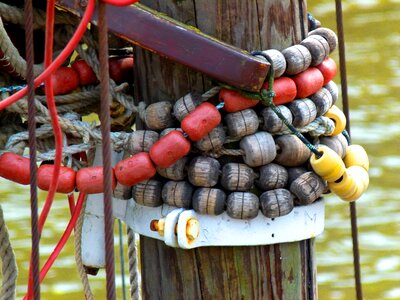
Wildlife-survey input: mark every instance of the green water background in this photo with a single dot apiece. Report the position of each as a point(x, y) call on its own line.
point(372, 29)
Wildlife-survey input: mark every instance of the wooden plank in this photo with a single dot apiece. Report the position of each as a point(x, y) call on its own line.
point(284, 271)
point(183, 44)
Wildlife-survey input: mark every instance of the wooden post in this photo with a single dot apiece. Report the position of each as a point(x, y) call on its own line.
point(284, 271)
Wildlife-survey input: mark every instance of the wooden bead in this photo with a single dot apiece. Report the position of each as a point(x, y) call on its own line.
point(234, 101)
point(278, 60)
point(90, 180)
point(328, 69)
point(85, 73)
point(336, 143)
point(237, 177)
point(338, 117)
point(272, 176)
point(122, 192)
point(327, 34)
point(303, 111)
point(242, 205)
point(293, 173)
point(285, 90)
point(259, 149)
point(168, 130)
point(158, 115)
point(141, 141)
point(333, 89)
point(329, 166)
point(298, 59)
point(214, 140)
point(276, 203)
point(66, 179)
point(291, 151)
point(360, 175)
point(201, 121)
point(272, 123)
point(121, 69)
point(308, 82)
point(209, 201)
point(318, 47)
point(185, 105)
point(15, 167)
point(204, 171)
point(176, 172)
point(356, 156)
point(148, 193)
point(169, 149)
point(134, 169)
point(345, 187)
point(178, 193)
point(64, 80)
point(322, 100)
point(242, 123)
point(307, 188)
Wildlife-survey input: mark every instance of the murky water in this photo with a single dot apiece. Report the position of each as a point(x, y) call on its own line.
point(372, 30)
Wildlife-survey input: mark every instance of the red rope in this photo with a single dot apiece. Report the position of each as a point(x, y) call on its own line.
point(120, 2)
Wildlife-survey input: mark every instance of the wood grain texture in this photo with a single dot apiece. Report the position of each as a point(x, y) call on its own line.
point(284, 271)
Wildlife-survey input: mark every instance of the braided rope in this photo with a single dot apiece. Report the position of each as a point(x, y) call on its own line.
point(9, 265)
point(320, 126)
point(133, 265)
point(78, 255)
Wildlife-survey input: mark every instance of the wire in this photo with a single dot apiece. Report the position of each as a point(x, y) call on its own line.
point(63, 240)
point(69, 48)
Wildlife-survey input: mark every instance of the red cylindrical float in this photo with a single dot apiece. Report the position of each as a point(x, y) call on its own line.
point(234, 101)
point(85, 73)
point(285, 90)
point(64, 80)
point(90, 180)
point(66, 180)
point(328, 69)
point(134, 169)
point(14, 167)
point(121, 69)
point(169, 149)
point(308, 82)
point(201, 121)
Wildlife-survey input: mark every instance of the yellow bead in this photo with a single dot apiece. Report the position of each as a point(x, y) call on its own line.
point(344, 187)
point(337, 116)
point(356, 156)
point(329, 166)
point(361, 178)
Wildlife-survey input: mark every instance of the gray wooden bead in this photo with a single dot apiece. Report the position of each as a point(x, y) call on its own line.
point(318, 47)
point(337, 143)
point(272, 123)
point(242, 205)
point(307, 188)
point(141, 141)
point(209, 201)
point(175, 172)
point(204, 171)
point(291, 151)
point(298, 59)
point(177, 193)
point(168, 130)
point(148, 193)
point(158, 115)
point(272, 176)
point(278, 60)
point(259, 149)
point(322, 100)
point(214, 140)
point(303, 111)
point(242, 123)
point(185, 105)
point(293, 173)
point(237, 177)
point(327, 34)
point(276, 203)
point(122, 192)
point(332, 87)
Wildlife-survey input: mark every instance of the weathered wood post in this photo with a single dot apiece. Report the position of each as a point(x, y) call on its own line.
point(283, 271)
